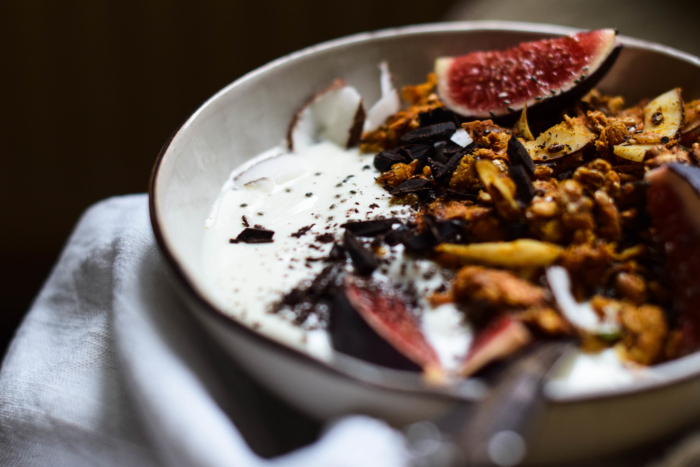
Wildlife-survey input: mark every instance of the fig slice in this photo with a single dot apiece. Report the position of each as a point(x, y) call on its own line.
point(664, 115)
point(523, 253)
point(673, 203)
point(388, 104)
point(384, 313)
point(581, 315)
point(501, 338)
point(546, 75)
point(335, 114)
point(561, 140)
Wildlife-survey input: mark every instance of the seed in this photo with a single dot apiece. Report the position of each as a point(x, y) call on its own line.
point(309, 195)
point(657, 118)
point(556, 147)
point(553, 92)
point(244, 205)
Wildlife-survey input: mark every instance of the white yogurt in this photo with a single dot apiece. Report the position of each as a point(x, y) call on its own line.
point(327, 186)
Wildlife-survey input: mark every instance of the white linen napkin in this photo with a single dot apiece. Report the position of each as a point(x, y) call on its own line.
point(108, 368)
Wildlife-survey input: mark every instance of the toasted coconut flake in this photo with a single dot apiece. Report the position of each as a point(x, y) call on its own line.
point(664, 115)
point(581, 315)
point(561, 140)
point(632, 152)
point(387, 105)
point(524, 253)
point(335, 114)
point(461, 138)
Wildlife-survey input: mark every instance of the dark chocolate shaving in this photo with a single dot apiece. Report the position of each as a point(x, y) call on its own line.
point(432, 133)
point(445, 173)
point(435, 116)
point(337, 253)
point(325, 238)
point(386, 159)
point(566, 174)
point(245, 221)
point(254, 235)
point(435, 166)
point(370, 228)
point(459, 194)
point(305, 300)
point(524, 189)
point(519, 156)
point(436, 233)
point(412, 186)
point(363, 260)
point(401, 234)
point(302, 231)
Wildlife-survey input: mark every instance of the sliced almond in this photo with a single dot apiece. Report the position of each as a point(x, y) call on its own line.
point(561, 140)
point(335, 114)
point(664, 115)
point(519, 254)
point(500, 187)
point(632, 152)
point(522, 126)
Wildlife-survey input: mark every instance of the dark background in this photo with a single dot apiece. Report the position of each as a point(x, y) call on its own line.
point(91, 90)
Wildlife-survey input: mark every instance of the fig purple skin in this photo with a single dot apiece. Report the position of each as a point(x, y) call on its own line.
point(372, 322)
point(673, 202)
point(547, 75)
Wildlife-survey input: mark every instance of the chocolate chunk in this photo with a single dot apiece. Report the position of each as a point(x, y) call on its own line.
point(564, 175)
point(524, 189)
point(401, 234)
point(452, 148)
point(255, 235)
point(370, 228)
point(445, 173)
point(432, 133)
point(411, 186)
point(417, 152)
point(435, 166)
point(386, 159)
point(519, 156)
point(423, 241)
point(305, 301)
point(440, 152)
point(337, 253)
point(364, 260)
point(302, 231)
point(459, 194)
point(325, 238)
point(435, 116)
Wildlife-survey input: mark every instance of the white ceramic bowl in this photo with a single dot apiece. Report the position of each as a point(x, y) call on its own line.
point(252, 114)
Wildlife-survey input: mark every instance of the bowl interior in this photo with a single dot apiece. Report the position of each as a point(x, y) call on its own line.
point(252, 114)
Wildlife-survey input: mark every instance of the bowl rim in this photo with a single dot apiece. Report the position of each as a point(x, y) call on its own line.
point(356, 370)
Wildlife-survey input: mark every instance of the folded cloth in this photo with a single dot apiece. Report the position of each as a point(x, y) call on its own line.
point(108, 368)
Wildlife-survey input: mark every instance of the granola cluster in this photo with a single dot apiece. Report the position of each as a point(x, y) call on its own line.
point(575, 197)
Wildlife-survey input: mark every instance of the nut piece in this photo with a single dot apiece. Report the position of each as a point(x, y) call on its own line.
point(522, 253)
point(498, 289)
point(664, 115)
point(561, 140)
point(500, 187)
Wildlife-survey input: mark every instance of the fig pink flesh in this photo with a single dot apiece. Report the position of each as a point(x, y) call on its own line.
point(673, 202)
point(388, 316)
point(499, 339)
point(480, 82)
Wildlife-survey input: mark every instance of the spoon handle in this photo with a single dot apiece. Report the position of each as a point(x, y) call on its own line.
point(496, 433)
